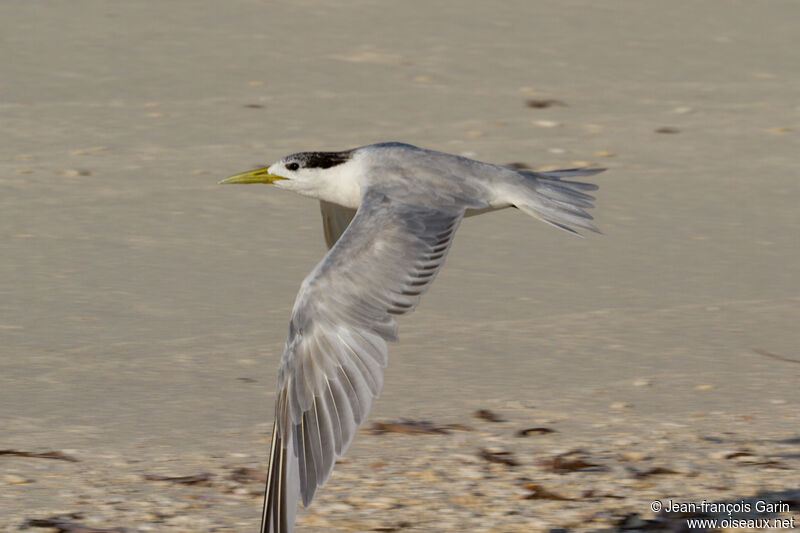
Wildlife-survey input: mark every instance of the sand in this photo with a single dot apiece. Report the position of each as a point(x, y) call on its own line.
point(143, 308)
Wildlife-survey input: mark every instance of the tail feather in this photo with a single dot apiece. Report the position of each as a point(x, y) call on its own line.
point(569, 173)
point(558, 202)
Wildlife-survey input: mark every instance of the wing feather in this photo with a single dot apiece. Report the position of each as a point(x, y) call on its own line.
point(332, 365)
point(335, 219)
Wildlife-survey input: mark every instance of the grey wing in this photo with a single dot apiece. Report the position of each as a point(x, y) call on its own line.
point(332, 365)
point(335, 220)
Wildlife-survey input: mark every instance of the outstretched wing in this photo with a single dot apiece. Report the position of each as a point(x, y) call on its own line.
point(332, 365)
point(335, 219)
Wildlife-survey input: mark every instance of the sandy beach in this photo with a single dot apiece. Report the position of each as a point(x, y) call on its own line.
point(143, 307)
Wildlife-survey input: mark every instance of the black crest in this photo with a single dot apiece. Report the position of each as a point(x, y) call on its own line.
point(322, 159)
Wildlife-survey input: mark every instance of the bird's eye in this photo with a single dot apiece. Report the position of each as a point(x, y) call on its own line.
point(292, 166)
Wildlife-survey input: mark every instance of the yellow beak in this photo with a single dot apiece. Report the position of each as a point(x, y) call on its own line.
point(259, 175)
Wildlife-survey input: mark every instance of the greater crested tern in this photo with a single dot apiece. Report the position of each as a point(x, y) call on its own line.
point(390, 212)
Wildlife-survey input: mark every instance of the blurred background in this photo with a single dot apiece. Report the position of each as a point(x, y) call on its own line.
point(143, 308)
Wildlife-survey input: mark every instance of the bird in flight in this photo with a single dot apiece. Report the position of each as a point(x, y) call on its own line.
point(389, 214)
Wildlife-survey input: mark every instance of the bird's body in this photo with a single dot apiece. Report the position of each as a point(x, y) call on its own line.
point(390, 212)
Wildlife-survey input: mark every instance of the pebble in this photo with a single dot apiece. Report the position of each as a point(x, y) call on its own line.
point(72, 173)
point(388, 503)
point(593, 128)
point(633, 456)
point(14, 479)
point(469, 473)
point(335, 508)
point(465, 500)
point(87, 151)
point(547, 123)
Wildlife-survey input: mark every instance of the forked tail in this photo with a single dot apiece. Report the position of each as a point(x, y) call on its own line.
point(557, 201)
